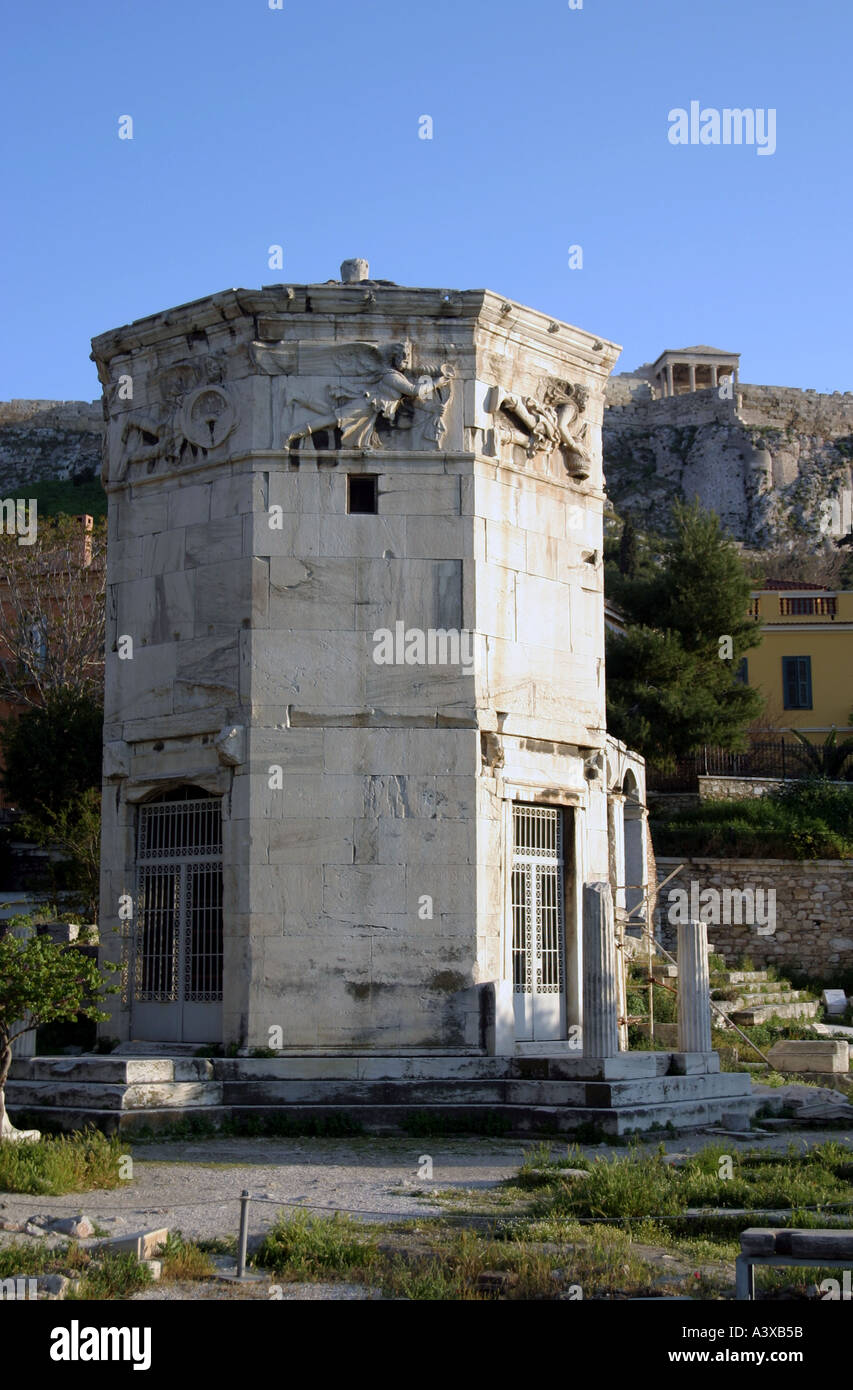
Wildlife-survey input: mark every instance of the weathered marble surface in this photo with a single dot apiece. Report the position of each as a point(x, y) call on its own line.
point(364, 883)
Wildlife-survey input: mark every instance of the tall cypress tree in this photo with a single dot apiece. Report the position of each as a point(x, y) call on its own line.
point(628, 550)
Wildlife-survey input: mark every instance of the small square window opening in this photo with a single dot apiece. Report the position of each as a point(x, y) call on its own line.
point(362, 494)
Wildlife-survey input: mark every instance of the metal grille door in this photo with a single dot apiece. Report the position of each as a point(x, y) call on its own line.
point(538, 936)
point(177, 968)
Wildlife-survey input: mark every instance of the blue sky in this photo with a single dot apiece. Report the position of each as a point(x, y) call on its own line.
point(299, 127)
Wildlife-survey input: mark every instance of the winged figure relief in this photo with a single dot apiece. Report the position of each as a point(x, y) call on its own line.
point(351, 387)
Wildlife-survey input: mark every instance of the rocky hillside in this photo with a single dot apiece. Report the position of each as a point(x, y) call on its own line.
point(772, 462)
point(48, 440)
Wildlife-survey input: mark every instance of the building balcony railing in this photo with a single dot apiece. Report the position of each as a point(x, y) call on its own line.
point(816, 606)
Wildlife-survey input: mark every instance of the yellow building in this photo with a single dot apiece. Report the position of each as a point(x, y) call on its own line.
point(804, 666)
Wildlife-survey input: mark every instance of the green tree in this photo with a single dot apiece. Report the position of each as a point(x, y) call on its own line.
point(52, 774)
point(830, 760)
point(73, 833)
point(671, 681)
point(52, 755)
point(628, 550)
point(43, 981)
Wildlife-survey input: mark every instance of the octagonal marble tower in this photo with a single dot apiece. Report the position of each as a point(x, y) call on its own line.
point(354, 730)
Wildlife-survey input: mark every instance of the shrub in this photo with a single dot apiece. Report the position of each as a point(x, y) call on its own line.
point(811, 819)
point(66, 1163)
point(304, 1245)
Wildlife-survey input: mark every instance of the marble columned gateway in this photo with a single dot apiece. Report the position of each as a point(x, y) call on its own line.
point(357, 780)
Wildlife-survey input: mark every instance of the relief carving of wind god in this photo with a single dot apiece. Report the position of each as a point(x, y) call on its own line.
point(192, 411)
point(551, 421)
point(356, 395)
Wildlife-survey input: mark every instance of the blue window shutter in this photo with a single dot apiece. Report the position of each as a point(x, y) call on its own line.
point(797, 682)
point(789, 684)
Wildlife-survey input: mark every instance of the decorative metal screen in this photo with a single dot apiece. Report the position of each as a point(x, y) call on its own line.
point(521, 963)
point(537, 900)
point(178, 956)
point(181, 829)
point(158, 930)
point(203, 939)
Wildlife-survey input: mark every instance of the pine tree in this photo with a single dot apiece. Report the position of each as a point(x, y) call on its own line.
point(671, 683)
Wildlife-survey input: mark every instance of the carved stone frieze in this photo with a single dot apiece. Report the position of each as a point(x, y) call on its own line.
point(357, 395)
point(193, 412)
point(551, 420)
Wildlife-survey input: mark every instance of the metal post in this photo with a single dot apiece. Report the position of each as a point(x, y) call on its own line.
point(244, 1235)
point(783, 757)
point(744, 1278)
point(651, 987)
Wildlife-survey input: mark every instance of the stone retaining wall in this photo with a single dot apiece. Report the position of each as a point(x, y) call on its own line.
point(73, 415)
point(814, 919)
point(736, 788)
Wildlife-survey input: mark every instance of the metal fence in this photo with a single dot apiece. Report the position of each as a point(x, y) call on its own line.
point(783, 758)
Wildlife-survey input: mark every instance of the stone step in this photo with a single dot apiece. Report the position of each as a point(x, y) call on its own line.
point(752, 992)
point(752, 1001)
point(743, 977)
point(112, 1069)
point(764, 1012)
point(102, 1095)
point(534, 1061)
point(517, 1119)
point(133, 1070)
point(649, 1090)
point(267, 1092)
point(556, 1093)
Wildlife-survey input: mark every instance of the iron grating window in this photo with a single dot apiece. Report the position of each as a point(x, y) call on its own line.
point(537, 900)
point(180, 829)
point(179, 936)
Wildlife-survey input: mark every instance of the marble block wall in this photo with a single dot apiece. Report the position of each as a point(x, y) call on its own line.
point(365, 802)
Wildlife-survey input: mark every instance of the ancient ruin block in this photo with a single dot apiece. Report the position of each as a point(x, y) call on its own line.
point(355, 696)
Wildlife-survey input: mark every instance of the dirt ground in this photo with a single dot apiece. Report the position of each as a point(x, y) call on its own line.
point(195, 1187)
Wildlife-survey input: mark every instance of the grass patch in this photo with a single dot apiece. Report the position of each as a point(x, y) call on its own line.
point(811, 819)
point(113, 1276)
point(36, 1258)
point(100, 1275)
point(219, 1245)
point(642, 1187)
point(539, 1168)
point(308, 1246)
point(52, 1166)
point(182, 1259)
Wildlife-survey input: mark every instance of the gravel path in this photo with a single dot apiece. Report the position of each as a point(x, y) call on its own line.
point(194, 1187)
